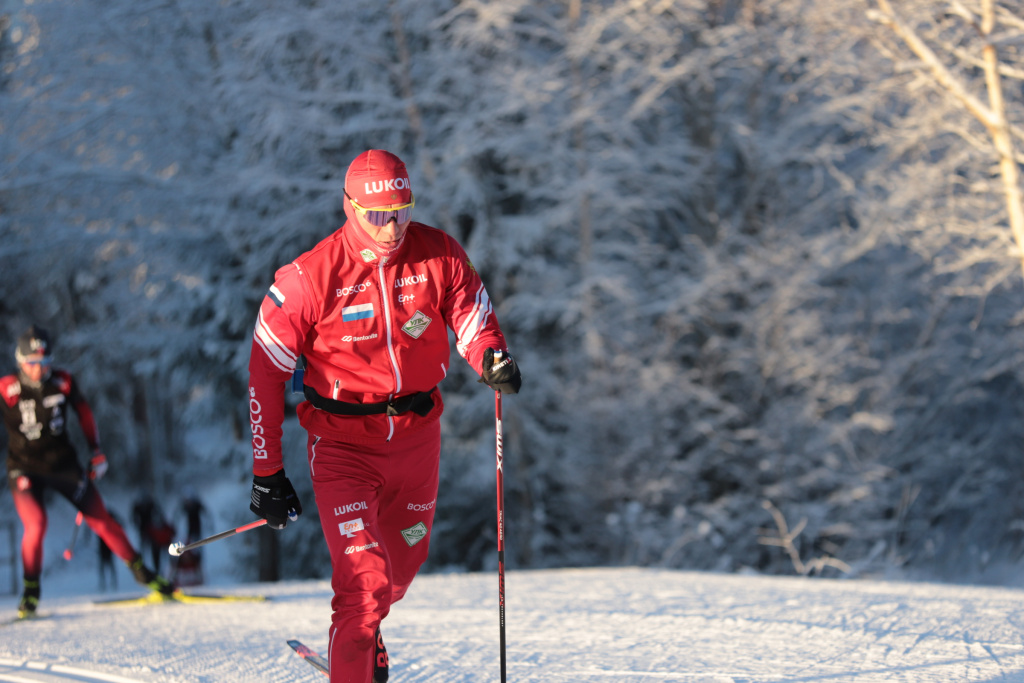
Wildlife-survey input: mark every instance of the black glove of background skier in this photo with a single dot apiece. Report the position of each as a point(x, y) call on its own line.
point(504, 376)
point(273, 499)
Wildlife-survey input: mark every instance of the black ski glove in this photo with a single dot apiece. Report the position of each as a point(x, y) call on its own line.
point(504, 376)
point(273, 499)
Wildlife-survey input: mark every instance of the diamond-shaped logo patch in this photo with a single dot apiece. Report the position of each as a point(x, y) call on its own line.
point(416, 324)
point(414, 534)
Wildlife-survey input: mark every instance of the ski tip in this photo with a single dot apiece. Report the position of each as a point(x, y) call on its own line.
point(315, 660)
point(18, 618)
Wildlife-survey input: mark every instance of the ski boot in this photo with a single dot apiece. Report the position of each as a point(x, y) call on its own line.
point(380, 659)
point(147, 577)
point(29, 600)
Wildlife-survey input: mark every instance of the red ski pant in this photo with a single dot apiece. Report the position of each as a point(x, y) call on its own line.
point(27, 491)
point(376, 505)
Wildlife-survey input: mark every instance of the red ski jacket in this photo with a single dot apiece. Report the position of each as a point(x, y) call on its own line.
point(372, 328)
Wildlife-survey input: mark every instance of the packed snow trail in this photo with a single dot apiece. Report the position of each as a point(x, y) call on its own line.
point(573, 625)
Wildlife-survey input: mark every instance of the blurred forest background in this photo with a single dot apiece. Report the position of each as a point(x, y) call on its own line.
point(754, 257)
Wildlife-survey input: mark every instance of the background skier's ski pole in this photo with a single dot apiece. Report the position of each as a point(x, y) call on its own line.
point(177, 549)
point(501, 530)
point(69, 552)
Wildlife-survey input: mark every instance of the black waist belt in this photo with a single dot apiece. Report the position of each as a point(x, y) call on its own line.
point(420, 403)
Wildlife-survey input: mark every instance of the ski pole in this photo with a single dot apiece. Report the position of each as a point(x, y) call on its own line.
point(69, 552)
point(177, 549)
point(501, 529)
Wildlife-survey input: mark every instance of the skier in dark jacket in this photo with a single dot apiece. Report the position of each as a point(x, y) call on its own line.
point(34, 404)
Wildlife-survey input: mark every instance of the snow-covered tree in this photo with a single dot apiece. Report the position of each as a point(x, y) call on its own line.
point(743, 252)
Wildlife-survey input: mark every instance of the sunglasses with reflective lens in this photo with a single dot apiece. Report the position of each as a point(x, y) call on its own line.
point(380, 217)
point(45, 360)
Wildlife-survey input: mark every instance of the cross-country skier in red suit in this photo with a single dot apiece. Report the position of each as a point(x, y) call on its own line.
point(368, 309)
point(34, 403)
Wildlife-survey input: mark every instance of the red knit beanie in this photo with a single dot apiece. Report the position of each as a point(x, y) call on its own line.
point(378, 178)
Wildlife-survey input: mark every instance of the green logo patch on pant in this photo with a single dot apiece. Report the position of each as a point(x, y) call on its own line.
point(415, 533)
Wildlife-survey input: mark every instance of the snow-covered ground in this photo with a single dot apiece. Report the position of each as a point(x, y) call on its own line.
point(594, 625)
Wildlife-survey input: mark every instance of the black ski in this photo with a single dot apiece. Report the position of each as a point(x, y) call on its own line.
point(319, 663)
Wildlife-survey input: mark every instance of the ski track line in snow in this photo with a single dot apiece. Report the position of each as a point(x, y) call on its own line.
point(40, 672)
point(613, 625)
point(716, 676)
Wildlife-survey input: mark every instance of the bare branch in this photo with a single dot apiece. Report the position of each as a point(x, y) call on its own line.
point(1009, 18)
point(957, 8)
point(785, 540)
point(937, 69)
point(993, 116)
point(1004, 69)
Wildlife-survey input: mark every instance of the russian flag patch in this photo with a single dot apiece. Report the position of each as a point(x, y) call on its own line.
point(350, 313)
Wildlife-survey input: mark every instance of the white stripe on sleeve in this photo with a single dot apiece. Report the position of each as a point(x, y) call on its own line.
point(475, 321)
point(280, 355)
